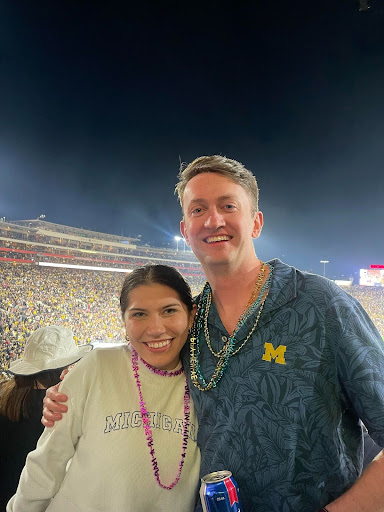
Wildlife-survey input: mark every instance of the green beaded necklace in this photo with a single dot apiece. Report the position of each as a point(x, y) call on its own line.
point(229, 348)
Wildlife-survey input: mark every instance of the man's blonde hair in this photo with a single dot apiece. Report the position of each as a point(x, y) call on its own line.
point(231, 169)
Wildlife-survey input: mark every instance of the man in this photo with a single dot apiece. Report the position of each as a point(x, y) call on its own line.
point(282, 364)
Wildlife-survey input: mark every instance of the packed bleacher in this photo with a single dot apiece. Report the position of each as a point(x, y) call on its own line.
point(44, 241)
point(372, 299)
point(86, 301)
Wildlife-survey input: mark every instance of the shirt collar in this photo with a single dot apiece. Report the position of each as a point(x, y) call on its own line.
point(283, 289)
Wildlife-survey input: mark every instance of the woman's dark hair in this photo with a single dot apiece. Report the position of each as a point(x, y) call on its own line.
point(156, 274)
point(16, 392)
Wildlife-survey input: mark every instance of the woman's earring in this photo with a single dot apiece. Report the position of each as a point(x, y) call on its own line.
point(126, 338)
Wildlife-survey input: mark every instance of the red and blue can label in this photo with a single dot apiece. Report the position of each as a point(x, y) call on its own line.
point(219, 493)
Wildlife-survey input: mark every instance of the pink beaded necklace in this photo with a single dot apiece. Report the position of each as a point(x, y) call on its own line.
point(146, 420)
point(163, 373)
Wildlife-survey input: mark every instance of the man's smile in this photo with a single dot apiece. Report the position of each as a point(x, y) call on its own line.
point(217, 238)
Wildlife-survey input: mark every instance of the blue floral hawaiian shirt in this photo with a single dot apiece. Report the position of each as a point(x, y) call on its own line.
point(284, 418)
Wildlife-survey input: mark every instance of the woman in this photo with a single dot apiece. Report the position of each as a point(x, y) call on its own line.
point(47, 352)
point(131, 427)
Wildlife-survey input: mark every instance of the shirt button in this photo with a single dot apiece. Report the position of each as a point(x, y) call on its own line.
point(223, 338)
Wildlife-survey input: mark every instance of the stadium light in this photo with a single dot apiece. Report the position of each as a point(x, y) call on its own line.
point(324, 263)
point(83, 267)
point(177, 238)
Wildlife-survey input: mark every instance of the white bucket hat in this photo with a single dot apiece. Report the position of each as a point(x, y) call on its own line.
point(48, 348)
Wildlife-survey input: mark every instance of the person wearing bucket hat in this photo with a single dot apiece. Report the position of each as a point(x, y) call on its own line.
point(48, 348)
point(48, 351)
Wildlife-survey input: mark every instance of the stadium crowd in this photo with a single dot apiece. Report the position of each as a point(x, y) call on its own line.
point(87, 302)
point(372, 299)
point(84, 301)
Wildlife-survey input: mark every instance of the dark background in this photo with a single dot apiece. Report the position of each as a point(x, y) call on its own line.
point(99, 102)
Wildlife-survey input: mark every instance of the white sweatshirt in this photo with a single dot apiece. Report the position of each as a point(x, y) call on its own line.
point(111, 469)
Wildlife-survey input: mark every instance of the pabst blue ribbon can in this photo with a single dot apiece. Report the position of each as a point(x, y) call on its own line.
point(219, 493)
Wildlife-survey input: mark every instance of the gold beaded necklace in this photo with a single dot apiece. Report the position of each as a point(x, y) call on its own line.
point(228, 349)
point(242, 317)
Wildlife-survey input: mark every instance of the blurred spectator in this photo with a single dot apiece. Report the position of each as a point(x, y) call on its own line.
point(47, 352)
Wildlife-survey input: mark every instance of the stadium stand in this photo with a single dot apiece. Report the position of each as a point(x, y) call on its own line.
point(372, 299)
point(85, 300)
point(33, 294)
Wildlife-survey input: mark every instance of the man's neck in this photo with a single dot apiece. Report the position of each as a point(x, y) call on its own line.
point(231, 291)
point(224, 279)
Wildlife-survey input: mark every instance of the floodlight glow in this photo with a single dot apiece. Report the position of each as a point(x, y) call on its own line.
point(324, 263)
point(177, 238)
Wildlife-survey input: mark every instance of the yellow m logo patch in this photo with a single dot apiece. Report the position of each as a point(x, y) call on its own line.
point(276, 354)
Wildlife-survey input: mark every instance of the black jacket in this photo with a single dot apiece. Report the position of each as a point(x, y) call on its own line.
point(17, 439)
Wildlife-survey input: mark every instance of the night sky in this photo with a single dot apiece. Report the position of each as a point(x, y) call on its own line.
point(99, 102)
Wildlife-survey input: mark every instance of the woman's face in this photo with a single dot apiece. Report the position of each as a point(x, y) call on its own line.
point(156, 323)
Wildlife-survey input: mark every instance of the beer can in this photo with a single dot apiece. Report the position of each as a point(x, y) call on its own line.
point(219, 493)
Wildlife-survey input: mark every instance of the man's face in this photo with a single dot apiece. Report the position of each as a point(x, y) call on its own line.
point(218, 223)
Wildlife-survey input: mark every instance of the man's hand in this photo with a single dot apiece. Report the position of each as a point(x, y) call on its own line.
point(52, 408)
